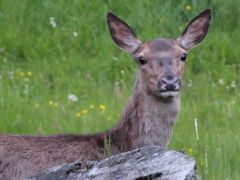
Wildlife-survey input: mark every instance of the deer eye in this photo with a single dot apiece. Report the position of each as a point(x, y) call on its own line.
point(142, 60)
point(183, 57)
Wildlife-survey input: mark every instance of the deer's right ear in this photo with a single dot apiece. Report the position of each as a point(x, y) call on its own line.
point(122, 34)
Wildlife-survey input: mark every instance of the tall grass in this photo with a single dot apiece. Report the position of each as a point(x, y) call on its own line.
point(41, 63)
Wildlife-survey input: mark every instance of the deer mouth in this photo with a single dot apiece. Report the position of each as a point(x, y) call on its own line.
point(168, 94)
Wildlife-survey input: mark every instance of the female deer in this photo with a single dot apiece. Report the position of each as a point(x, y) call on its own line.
point(148, 118)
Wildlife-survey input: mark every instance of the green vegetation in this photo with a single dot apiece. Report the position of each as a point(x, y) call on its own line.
point(51, 49)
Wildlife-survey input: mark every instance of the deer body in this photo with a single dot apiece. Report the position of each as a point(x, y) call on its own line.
point(145, 121)
point(148, 119)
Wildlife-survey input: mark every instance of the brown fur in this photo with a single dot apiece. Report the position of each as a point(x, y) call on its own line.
point(148, 118)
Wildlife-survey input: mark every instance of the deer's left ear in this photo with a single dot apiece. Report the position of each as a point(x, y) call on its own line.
point(196, 30)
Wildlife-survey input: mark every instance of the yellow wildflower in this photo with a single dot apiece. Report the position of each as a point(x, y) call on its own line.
point(102, 107)
point(188, 7)
point(84, 111)
point(78, 114)
point(29, 73)
point(21, 74)
point(190, 150)
point(109, 118)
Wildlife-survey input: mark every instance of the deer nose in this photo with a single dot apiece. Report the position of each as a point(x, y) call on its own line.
point(170, 83)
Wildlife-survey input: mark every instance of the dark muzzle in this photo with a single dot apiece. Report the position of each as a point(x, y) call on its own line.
point(169, 83)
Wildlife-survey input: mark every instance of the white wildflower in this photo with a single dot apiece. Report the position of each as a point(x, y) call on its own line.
point(72, 98)
point(221, 82)
point(11, 74)
point(233, 84)
point(75, 34)
point(53, 22)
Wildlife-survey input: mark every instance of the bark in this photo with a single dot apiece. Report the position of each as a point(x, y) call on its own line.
point(152, 162)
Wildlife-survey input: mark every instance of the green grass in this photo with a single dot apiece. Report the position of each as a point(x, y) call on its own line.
point(91, 67)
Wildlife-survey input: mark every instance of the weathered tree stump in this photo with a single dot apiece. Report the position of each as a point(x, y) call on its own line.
point(150, 162)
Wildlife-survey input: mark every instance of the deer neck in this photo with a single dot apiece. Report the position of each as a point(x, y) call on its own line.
point(147, 120)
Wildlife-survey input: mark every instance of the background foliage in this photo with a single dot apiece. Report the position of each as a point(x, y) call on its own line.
point(50, 49)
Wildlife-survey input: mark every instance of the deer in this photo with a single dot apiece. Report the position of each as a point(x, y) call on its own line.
point(148, 119)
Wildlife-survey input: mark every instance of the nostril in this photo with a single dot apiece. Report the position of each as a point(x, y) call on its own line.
point(177, 80)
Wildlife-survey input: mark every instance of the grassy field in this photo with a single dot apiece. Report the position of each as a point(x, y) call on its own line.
point(51, 49)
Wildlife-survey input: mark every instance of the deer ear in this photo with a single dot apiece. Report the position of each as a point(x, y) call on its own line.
point(196, 30)
point(122, 34)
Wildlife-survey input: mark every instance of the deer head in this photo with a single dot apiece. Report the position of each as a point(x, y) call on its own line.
point(161, 61)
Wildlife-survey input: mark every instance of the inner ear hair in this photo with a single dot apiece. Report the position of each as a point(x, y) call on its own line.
point(196, 30)
point(122, 34)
